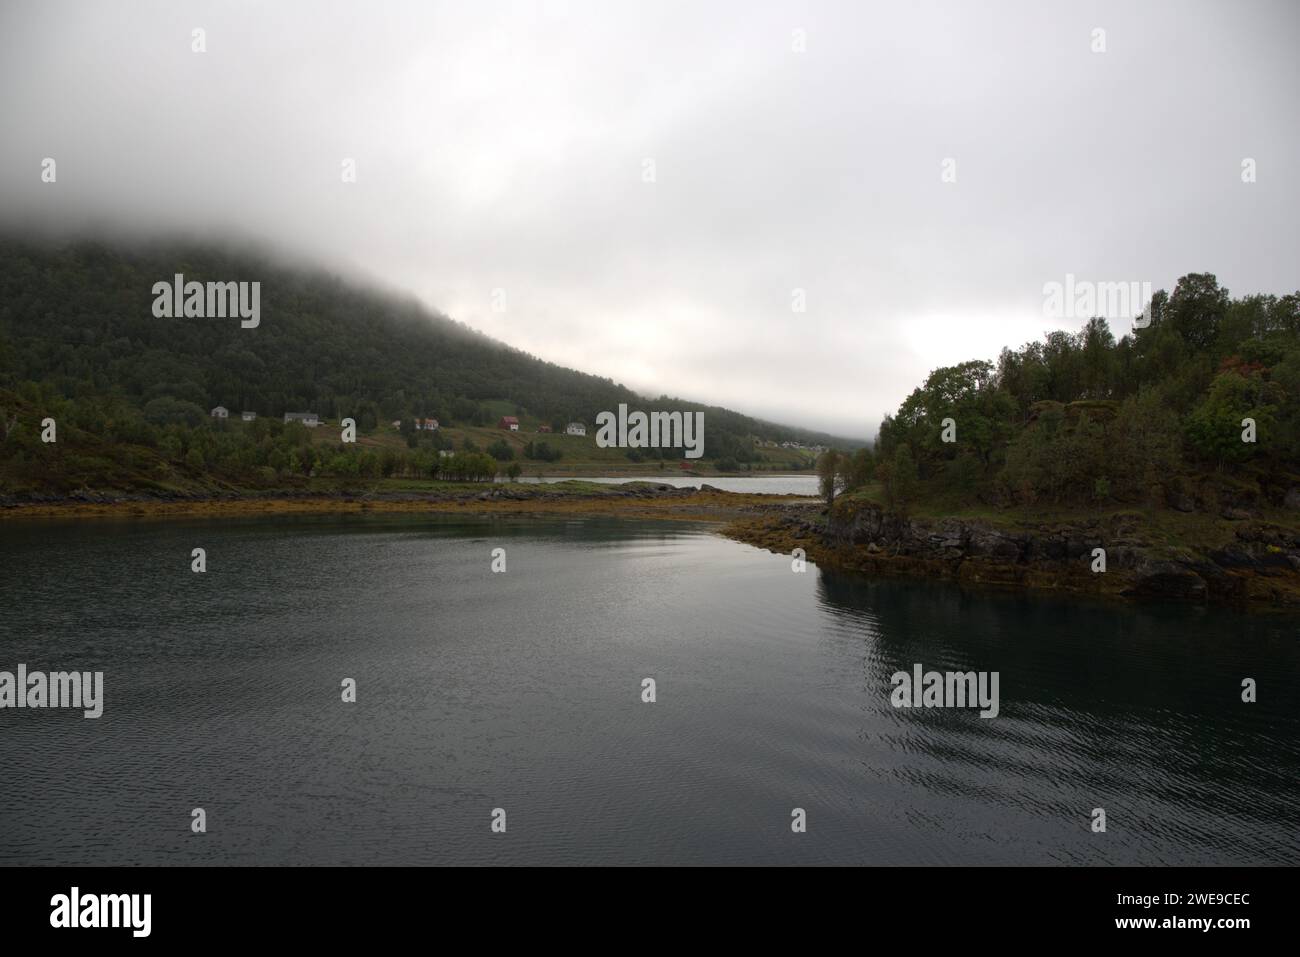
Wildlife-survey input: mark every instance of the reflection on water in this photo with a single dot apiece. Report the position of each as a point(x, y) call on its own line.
point(522, 691)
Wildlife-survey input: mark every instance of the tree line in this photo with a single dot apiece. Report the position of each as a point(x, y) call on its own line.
point(1084, 418)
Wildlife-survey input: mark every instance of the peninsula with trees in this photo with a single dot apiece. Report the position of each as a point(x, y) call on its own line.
point(1165, 463)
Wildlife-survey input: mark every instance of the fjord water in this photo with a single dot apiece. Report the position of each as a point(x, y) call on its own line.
point(758, 484)
point(522, 691)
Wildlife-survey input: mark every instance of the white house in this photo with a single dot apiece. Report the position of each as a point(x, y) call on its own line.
point(220, 412)
point(309, 419)
point(575, 428)
point(248, 416)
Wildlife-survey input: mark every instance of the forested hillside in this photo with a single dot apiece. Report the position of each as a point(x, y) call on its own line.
point(79, 341)
point(1156, 417)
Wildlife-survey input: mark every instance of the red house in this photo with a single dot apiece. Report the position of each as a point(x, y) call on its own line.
point(508, 422)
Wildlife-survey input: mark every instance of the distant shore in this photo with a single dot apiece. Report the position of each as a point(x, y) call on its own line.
point(651, 475)
point(632, 500)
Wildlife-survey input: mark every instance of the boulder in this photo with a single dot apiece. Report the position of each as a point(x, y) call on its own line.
point(986, 543)
point(1168, 580)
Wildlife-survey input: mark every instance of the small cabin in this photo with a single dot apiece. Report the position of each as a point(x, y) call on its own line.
point(508, 422)
point(220, 412)
point(575, 428)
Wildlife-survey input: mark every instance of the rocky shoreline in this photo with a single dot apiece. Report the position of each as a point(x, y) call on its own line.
point(1255, 563)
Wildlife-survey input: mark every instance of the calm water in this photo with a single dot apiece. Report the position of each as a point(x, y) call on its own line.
point(522, 691)
point(761, 484)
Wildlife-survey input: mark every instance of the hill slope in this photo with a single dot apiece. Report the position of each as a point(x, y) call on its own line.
point(78, 335)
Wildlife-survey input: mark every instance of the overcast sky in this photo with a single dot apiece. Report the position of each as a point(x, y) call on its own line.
point(794, 146)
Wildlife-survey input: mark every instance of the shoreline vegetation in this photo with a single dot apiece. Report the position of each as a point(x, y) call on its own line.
point(1150, 553)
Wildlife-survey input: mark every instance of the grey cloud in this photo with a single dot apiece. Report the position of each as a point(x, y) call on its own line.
point(501, 146)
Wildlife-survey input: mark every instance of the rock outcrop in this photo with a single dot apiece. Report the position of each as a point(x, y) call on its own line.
point(1259, 564)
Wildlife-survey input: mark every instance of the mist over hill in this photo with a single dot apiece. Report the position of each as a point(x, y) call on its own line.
point(77, 318)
